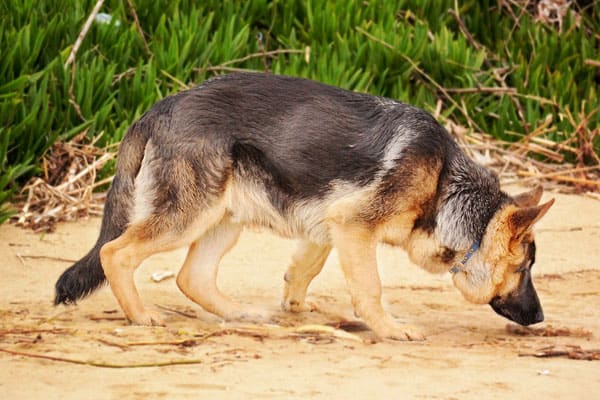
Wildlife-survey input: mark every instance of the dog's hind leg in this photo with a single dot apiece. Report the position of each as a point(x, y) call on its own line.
point(122, 256)
point(179, 196)
point(158, 233)
point(307, 262)
point(357, 252)
point(197, 279)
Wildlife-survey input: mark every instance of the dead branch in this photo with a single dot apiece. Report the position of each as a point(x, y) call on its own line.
point(66, 192)
point(500, 90)
point(571, 352)
point(561, 178)
point(547, 331)
point(100, 363)
point(83, 33)
point(226, 66)
point(439, 87)
point(187, 315)
point(138, 26)
point(28, 331)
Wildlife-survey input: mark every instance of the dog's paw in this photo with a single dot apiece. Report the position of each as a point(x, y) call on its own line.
point(401, 332)
point(148, 318)
point(295, 306)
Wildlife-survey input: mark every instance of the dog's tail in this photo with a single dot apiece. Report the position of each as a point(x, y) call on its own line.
point(87, 274)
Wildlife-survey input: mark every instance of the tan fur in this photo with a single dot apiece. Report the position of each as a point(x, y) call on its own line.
point(492, 272)
point(307, 262)
point(356, 247)
point(122, 256)
point(397, 229)
point(197, 279)
point(424, 251)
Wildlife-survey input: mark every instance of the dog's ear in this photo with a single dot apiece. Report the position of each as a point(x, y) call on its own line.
point(530, 198)
point(523, 218)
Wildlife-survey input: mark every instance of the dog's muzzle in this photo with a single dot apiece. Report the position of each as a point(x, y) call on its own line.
point(521, 306)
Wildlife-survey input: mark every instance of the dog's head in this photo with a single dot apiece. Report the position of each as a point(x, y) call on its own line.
point(499, 273)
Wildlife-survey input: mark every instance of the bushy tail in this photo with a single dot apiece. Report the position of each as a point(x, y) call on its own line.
point(87, 274)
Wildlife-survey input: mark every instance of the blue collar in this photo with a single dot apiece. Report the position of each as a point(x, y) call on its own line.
point(457, 267)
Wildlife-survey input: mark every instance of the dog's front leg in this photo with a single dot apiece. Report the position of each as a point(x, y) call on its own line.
point(357, 252)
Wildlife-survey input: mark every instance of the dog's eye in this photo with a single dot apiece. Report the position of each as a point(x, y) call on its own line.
point(524, 267)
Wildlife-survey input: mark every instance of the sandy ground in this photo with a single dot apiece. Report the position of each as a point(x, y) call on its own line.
point(468, 354)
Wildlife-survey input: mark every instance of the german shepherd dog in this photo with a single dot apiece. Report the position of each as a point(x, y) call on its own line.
point(330, 167)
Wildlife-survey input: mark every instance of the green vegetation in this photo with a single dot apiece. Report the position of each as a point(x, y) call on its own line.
point(418, 51)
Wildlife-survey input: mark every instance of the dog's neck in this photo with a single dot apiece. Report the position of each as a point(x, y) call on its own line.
point(470, 198)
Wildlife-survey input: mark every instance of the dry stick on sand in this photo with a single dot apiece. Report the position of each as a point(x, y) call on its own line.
point(183, 313)
point(571, 352)
point(314, 329)
point(28, 331)
point(254, 331)
point(547, 331)
point(275, 331)
point(100, 363)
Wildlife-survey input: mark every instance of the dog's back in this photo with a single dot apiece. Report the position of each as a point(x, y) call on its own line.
point(305, 144)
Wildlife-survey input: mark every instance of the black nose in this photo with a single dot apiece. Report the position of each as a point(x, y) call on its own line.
point(521, 305)
point(517, 312)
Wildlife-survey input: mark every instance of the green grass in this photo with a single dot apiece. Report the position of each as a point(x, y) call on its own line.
point(369, 46)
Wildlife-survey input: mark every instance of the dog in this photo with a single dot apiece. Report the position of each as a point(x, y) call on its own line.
point(330, 167)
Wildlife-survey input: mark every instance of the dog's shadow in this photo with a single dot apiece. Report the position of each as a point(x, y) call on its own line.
point(273, 322)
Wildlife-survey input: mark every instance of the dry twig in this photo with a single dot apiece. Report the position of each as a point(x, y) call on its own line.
point(547, 331)
point(66, 192)
point(571, 352)
point(138, 26)
point(102, 364)
point(226, 66)
point(83, 33)
point(439, 87)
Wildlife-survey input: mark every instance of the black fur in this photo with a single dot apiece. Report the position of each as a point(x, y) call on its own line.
point(287, 126)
